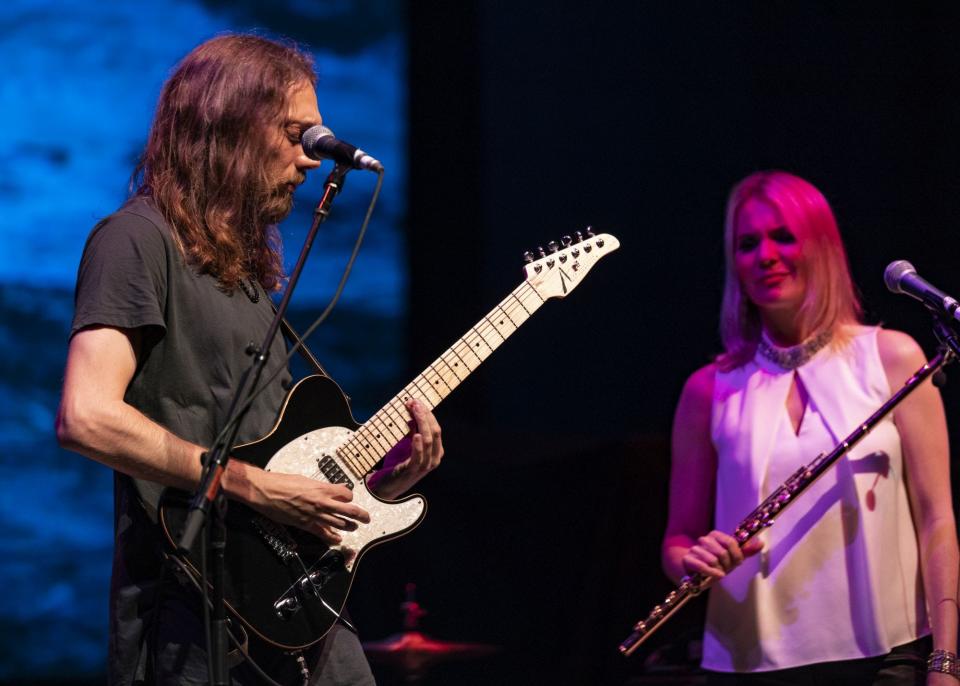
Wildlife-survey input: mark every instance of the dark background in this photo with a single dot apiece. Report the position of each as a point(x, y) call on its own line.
point(530, 120)
point(636, 118)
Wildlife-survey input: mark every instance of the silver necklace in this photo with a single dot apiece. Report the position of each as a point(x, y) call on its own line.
point(796, 355)
point(251, 290)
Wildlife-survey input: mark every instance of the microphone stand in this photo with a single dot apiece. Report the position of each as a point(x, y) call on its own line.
point(209, 505)
point(945, 333)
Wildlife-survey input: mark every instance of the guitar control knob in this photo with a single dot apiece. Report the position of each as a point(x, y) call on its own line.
point(312, 583)
point(527, 256)
point(553, 247)
point(286, 607)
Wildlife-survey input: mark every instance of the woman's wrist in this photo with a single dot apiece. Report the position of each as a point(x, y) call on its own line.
point(945, 662)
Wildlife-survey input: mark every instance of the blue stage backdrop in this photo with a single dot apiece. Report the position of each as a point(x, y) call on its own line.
point(79, 84)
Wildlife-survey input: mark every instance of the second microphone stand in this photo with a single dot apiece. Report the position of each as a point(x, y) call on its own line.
point(786, 494)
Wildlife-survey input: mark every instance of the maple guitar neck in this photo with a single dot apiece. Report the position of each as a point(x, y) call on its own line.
point(553, 275)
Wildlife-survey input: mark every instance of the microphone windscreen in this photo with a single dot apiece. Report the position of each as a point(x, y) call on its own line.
point(894, 272)
point(310, 137)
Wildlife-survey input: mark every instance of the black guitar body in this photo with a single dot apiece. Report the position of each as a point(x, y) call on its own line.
point(284, 584)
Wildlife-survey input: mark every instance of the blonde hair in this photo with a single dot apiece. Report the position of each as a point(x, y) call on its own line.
point(830, 301)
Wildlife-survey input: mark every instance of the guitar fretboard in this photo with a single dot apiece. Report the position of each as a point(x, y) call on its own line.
point(389, 425)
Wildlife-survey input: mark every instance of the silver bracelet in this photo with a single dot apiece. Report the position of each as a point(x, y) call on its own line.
point(945, 662)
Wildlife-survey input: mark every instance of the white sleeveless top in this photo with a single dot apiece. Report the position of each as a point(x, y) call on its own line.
point(838, 577)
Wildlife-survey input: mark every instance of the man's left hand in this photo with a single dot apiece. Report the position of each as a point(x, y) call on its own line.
point(412, 458)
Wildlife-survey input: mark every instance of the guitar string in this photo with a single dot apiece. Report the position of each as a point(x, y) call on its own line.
point(480, 332)
point(483, 335)
point(390, 408)
point(509, 305)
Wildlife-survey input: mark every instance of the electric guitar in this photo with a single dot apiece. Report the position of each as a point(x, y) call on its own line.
point(286, 585)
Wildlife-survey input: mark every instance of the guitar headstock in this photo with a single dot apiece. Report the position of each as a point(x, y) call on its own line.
point(560, 268)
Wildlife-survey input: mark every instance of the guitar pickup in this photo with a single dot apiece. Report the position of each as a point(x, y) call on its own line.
point(335, 475)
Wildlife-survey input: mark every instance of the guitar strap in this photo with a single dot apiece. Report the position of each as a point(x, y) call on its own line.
point(294, 339)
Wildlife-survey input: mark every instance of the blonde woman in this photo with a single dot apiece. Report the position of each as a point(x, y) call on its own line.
point(857, 581)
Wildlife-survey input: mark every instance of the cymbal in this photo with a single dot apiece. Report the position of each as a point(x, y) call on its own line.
point(412, 651)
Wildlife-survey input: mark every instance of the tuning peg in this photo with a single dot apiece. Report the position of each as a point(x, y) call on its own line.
point(590, 233)
point(552, 246)
point(579, 236)
point(566, 240)
point(541, 251)
point(527, 256)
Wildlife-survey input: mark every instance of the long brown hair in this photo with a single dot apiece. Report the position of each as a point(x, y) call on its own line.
point(206, 161)
point(831, 300)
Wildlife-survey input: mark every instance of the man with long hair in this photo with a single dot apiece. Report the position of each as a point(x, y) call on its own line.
point(170, 290)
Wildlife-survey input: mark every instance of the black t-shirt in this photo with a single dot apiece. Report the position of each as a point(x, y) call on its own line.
point(132, 275)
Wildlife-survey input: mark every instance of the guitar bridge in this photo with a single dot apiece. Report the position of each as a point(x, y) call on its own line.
point(276, 537)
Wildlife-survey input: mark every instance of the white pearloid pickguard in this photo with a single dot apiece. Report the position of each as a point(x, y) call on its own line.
point(302, 456)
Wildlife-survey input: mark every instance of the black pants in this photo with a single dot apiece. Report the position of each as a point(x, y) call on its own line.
point(905, 665)
point(173, 651)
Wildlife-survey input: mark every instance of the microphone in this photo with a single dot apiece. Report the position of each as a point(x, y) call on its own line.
point(319, 143)
point(901, 277)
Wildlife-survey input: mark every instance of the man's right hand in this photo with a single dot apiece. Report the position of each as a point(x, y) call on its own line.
point(317, 507)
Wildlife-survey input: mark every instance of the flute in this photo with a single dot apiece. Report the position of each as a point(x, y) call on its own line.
point(765, 513)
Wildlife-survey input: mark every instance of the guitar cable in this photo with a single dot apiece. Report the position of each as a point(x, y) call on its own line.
point(241, 645)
